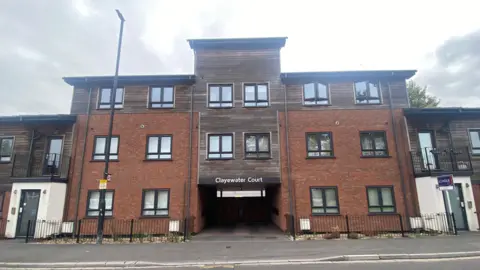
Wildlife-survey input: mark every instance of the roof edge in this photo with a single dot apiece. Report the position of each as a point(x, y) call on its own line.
point(291, 76)
point(39, 118)
point(239, 43)
point(126, 79)
point(441, 111)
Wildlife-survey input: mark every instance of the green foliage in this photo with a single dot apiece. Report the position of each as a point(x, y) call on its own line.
point(419, 98)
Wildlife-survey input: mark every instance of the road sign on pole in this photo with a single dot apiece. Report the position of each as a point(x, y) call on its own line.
point(102, 184)
point(445, 182)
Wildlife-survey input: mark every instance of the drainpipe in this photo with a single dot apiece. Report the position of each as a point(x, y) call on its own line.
point(79, 189)
point(397, 149)
point(190, 152)
point(291, 197)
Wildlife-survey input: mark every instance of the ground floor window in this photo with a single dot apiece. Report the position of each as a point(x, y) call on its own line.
point(2, 197)
point(93, 203)
point(380, 200)
point(155, 202)
point(324, 200)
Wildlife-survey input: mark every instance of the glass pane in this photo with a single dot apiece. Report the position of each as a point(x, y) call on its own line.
point(373, 197)
point(100, 145)
point(105, 95)
point(6, 148)
point(361, 91)
point(114, 145)
point(155, 94)
point(332, 210)
point(250, 143)
point(380, 142)
point(318, 210)
point(322, 91)
point(213, 155)
point(153, 145)
point(154, 156)
point(475, 138)
point(249, 92)
point(387, 197)
point(226, 93)
point(149, 212)
point(108, 200)
point(162, 199)
point(476, 151)
point(262, 93)
point(308, 91)
point(100, 157)
point(93, 203)
point(168, 94)
point(367, 143)
point(263, 143)
point(375, 209)
point(312, 142)
point(317, 200)
point(313, 154)
point(165, 156)
point(119, 95)
point(373, 90)
point(166, 145)
point(93, 213)
point(214, 93)
point(388, 209)
point(226, 143)
point(226, 155)
point(228, 104)
point(325, 141)
point(214, 144)
point(107, 213)
point(331, 197)
point(161, 212)
point(149, 200)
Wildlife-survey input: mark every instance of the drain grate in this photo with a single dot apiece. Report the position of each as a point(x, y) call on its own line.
point(271, 237)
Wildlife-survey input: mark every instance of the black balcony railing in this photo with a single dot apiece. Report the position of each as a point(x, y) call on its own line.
point(434, 161)
point(47, 165)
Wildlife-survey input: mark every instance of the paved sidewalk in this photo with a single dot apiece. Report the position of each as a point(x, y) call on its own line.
point(13, 251)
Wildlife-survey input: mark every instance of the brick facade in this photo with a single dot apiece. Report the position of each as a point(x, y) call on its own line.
point(476, 195)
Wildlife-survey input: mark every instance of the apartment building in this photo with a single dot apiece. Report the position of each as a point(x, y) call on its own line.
point(240, 142)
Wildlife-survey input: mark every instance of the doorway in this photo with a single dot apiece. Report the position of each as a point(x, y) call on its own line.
point(426, 141)
point(457, 206)
point(27, 211)
point(52, 162)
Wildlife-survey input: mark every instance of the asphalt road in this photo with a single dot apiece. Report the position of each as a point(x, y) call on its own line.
point(457, 264)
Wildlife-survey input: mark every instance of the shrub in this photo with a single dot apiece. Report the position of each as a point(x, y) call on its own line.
point(333, 235)
point(353, 236)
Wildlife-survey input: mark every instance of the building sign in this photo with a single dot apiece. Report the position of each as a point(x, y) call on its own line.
point(445, 182)
point(236, 181)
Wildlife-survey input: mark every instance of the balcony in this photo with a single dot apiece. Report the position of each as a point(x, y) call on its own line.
point(436, 161)
point(46, 167)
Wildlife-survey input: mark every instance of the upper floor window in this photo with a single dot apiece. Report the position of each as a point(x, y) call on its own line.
point(100, 145)
point(257, 145)
point(319, 144)
point(106, 95)
point(374, 144)
point(315, 94)
point(159, 147)
point(93, 203)
point(367, 92)
point(380, 200)
point(220, 146)
point(324, 200)
point(161, 97)
point(475, 141)
point(220, 96)
point(255, 95)
point(155, 202)
point(6, 149)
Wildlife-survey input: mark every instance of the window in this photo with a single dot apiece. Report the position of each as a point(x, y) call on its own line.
point(380, 200)
point(99, 149)
point(324, 200)
point(367, 93)
point(155, 203)
point(315, 94)
point(2, 197)
point(257, 145)
point(6, 149)
point(475, 141)
point(220, 96)
point(105, 96)
point(255, 95)
point(220, 146)
point(159, 147)
point(374, 144)
point(161, 97)
point(93, 203)
point(319, 144)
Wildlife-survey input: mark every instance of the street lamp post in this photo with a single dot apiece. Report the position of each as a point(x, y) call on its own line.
point(101, 213)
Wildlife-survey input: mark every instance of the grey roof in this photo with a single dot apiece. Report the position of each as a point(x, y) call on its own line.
point(353, 74)
point(132, 79)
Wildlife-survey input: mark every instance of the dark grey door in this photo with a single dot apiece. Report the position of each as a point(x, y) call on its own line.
point(27, 210)
point(457, 205)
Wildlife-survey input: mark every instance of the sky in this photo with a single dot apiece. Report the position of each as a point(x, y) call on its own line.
point(43, 41)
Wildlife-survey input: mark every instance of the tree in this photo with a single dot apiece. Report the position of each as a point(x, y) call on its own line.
point(419, 98)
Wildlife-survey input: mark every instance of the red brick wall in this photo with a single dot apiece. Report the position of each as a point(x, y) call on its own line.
point(350, 173)
point(6, 204)
point(132, 174)
point(476, 195)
